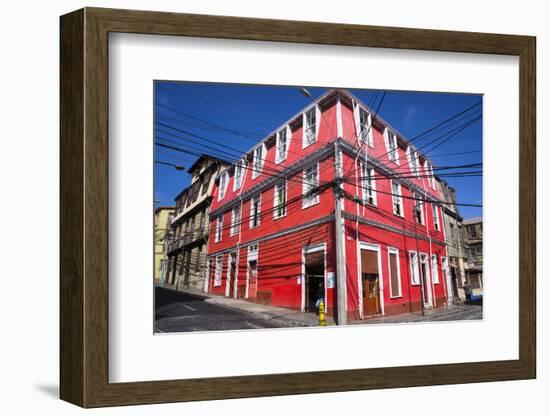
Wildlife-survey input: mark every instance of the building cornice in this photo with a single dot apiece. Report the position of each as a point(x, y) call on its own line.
point(377, 224)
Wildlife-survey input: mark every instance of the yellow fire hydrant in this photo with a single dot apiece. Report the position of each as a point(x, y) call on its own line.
point(322, 321)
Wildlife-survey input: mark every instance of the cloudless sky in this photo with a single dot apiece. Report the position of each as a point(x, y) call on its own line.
point(255, 111)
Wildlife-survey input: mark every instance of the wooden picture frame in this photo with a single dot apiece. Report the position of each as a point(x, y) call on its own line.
point(84, 207)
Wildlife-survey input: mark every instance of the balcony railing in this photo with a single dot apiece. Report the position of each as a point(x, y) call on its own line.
point(474, 262)
point(186, 239)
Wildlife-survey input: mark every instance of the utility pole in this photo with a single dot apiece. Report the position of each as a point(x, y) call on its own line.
point(341, 314)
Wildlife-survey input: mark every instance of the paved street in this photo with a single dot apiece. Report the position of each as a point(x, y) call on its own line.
point(178, 311)
point(183, 312)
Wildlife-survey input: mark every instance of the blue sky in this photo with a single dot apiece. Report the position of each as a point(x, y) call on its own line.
point(247, 113)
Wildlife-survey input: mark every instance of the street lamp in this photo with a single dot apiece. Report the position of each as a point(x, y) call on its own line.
point(177, 167)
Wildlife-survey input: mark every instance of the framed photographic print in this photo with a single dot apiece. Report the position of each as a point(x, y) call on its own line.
point(255, 207)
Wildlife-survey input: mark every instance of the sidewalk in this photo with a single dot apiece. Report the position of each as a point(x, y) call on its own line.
point(445, 313)
point(287, 317)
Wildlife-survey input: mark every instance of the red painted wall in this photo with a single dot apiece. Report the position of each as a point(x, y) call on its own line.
point(280, 258)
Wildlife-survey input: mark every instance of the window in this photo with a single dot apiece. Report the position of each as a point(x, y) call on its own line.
point(364, 130)
point(257, 161)
point(472, 230)
point(430, 172)
point(223, 185)
point(279, 200)
point(219, 228)
point(415, 276)
point(368, 184)
point(235, 220)
point(206, 181)
point(413, 160)
point(310, 186)
point(396, 197)
point(452, 230)
point(310, 127)
point(435, 272)
point(391, 145)
point(282, 144)
point(255, 204)
point(395, 275)
point(198, 262)
point(218, 272)
point(436, 217)
point(238, 180)
point(419, 209)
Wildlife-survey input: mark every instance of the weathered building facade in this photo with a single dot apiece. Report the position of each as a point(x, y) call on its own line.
point(162, 220)
point(273, 234)
point(453, 265)
point(190, 225)
point(473, 236)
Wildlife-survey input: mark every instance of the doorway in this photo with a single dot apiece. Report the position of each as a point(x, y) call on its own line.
point(370, 279)
point(314, 278)
point(231, 274)
point(426, 283)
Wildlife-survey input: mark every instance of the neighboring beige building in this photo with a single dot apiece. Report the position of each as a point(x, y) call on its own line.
point(473, 237)
point(163, 216)
point(190, 225)
point(454, 265)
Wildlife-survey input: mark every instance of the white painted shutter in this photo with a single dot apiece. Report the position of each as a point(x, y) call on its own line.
point(356, 118)
point(288, 139)
point(317, 121)
point(386, 139)
point(370, 137)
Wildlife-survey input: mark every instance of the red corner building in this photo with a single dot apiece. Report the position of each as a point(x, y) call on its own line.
point(273, 233)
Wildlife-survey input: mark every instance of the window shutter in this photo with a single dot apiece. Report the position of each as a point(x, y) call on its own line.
point(288, 136)
point(304, 127)
point(386, 139)
point(317, 121)
point(370, 137)
point(356, 118)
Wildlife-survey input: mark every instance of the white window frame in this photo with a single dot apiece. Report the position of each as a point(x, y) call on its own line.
point(235, 220)
point(219, 229)
point(306, 127)
point(306, 187)
point(393, 250)
point(224, 177)
point(412, 156)
point(365, 174)
point(360, 128)
point(435, 272)
point(253, 254)
point(414, 268)
point(276, 197)
point(397, 198)
point(259, 199)
point(418, 203)
point(278, 156)
point(435, 214)
point(218, 270)
point(429, 169)
point(393, 154)
point(239, 167)
point(258, 162)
